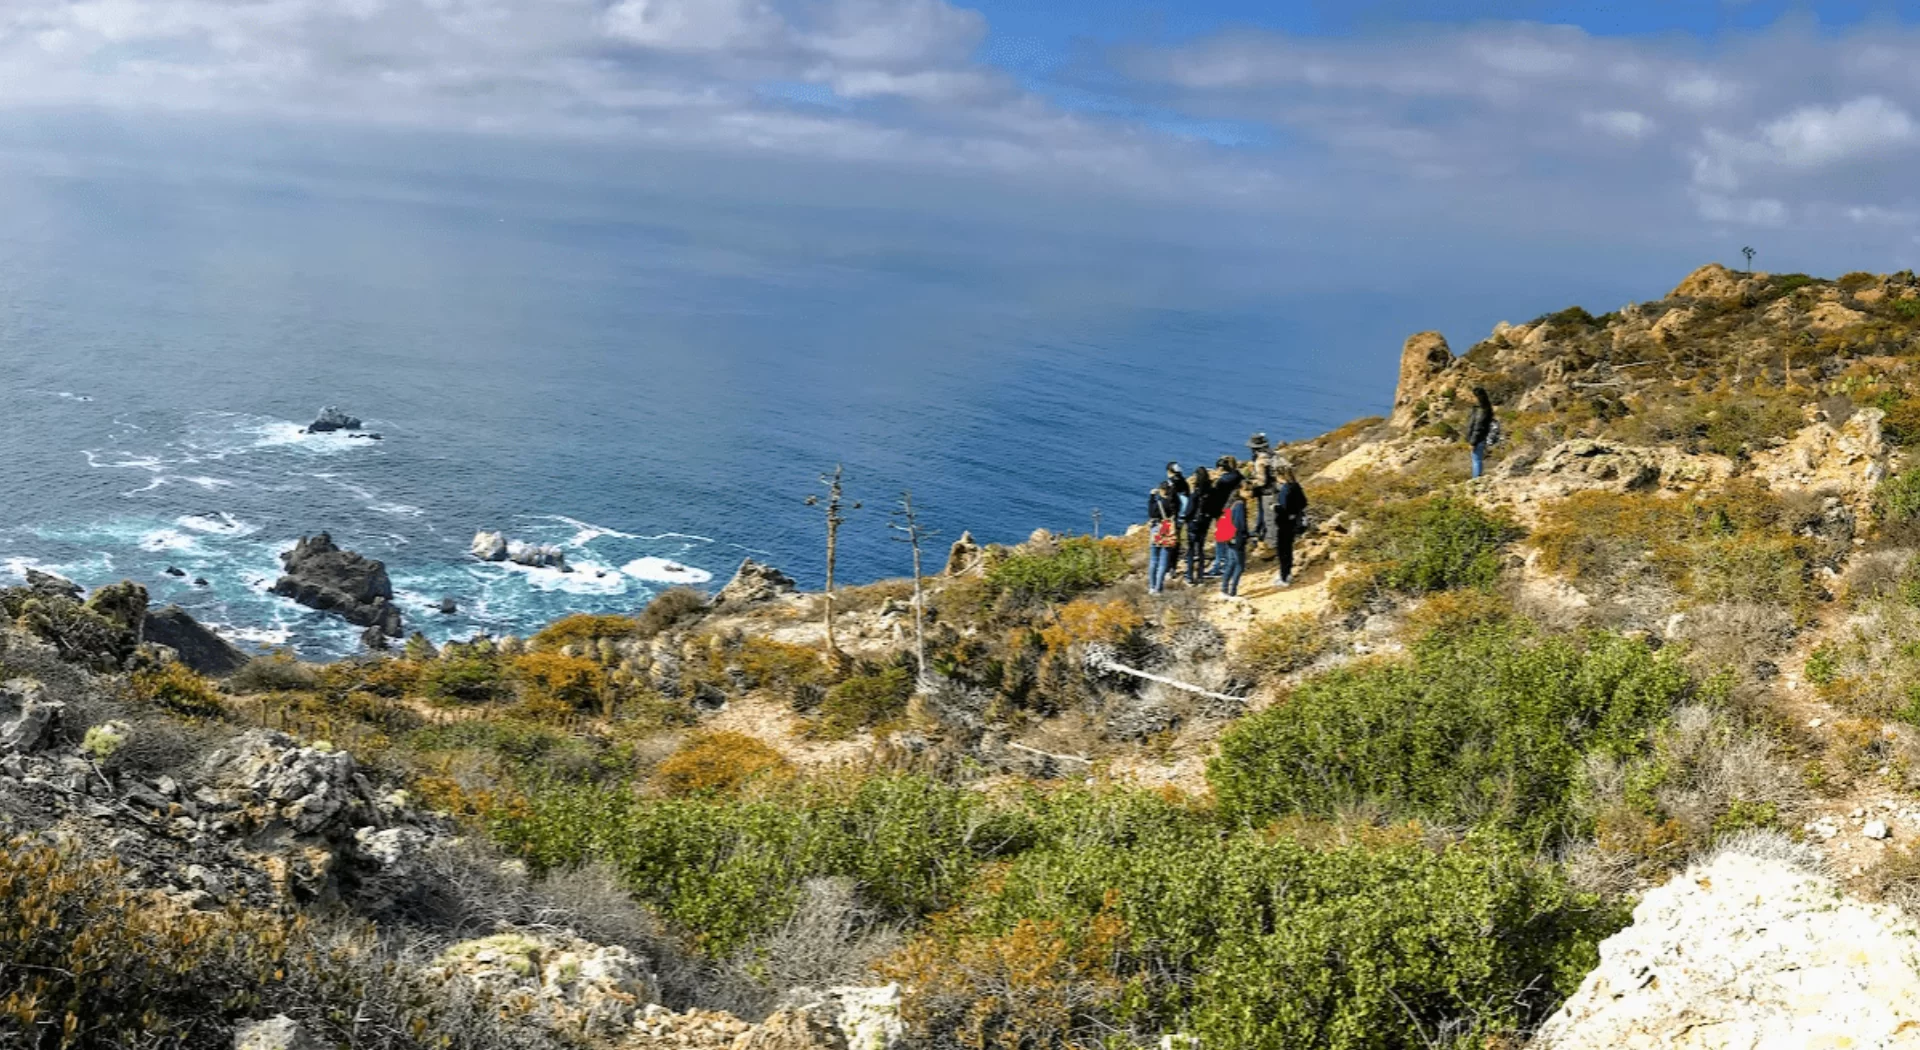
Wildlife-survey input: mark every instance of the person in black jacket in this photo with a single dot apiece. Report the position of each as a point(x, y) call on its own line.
point(1290, 510)
point(1163, 532)
point(1227, 480)
point(1199, 494)
point(1480, 428)
point(1178, 489)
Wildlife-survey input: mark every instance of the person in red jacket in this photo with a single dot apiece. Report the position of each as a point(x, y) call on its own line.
point(1230, 543)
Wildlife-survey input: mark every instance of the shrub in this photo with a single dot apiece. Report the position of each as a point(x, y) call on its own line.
point(1074, 566)
point(176, 688)
point(727, 870)
point(584, 629)
point(793, 672)
point(1897, 499)
point(1280, 647)
point(863, 701)
point(672, 606)
point(1085, 620)
point(274, 673)
point(548, 678)
point(1856, 280)
point(1422, 546)
point(1136, 916)
point(718, 762)
point(91, 963)
point(1483, 728)
point(470, 678)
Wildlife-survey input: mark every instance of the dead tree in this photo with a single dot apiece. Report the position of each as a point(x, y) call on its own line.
point(834, 520)
point(907, 523)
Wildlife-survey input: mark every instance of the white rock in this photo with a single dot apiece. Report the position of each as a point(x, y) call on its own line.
point(1750, 950)
point(489, 546)
point(275, 1033)
point(1877, 829)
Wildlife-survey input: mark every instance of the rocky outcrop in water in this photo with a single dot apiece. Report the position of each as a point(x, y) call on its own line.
point(331, 419)
point(494, 546)
point(320, 575)
point(197, 647)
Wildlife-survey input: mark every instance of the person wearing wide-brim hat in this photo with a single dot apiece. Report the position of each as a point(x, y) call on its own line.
point(1264, 482)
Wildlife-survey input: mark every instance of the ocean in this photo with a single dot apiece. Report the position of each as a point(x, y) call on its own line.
point(590, 369)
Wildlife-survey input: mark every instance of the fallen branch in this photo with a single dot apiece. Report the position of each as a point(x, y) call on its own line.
point(1112, 665)
point(1049, 755)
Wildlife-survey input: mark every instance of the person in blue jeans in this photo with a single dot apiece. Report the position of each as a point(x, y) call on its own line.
point(1230, 544)
point(1163, 530)
point(1480, 428)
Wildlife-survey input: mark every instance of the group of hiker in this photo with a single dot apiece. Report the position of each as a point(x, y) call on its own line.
point(1236, 501)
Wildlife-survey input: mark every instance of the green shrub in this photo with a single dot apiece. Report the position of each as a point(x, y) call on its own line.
point(1280, 647)
point(1897, 499)
point(1136, 916)
point(1482, 728)
point(1074, 566)
point(467, 678)
point(672, 606)
point(863, 701)
point(178, 689)
point(1423, 546)
point(583, 629)
point(726, 870)
point(712, 763)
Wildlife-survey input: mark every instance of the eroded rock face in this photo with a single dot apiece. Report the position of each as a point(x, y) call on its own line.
point(964, 556)
point(1423, 359)
point(320, 575)
point(272, 778)
point(1714, 281)
point(755, 583)
point(576, 984)
point(1849, 459)
point(27, 718)
point(198, 648)
point(1748, 950)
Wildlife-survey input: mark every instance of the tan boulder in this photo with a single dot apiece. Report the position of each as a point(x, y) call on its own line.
point(1671, 325)
point(1832, 316)
point(1422, 360)
point(1382, 456)
point(1714, 281)
point(1849, 459)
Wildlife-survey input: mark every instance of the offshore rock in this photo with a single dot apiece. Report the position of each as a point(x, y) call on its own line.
point(489, 546)
point(331, 419)
point(199, 648)
point(754, 583)
point(322, 576)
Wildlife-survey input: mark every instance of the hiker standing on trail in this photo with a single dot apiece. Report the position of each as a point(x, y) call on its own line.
point(1163, 525)
point(1199, 495)
point(1227, 480)
point(1480, 428)
point(1266, 484)
point(1290, 515)
point(1179, 491)
point(1230, 542)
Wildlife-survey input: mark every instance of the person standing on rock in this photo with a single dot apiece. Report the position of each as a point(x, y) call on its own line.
point(1163, 531)
point(1227, 480)
point(1199, 495)
point(1290, 517)
point(1178, 489)
point(1480, 428)
point(1266, 484)
point(1230, 541)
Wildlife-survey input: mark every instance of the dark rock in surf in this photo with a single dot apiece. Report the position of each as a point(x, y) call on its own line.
point(201, 581)
point(199, 648)
point(331, 419)
point(448, 607)
point(374, 638)
point(48, 585)
point(319, 575)
point(175, 571)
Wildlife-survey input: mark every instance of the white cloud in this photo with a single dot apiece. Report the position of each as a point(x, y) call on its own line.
point(1620, 123)
point(1756, 211)
point(1812, 136)
point(694, 25)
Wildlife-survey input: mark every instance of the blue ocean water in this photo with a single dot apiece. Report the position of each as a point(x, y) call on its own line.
point(655, 395)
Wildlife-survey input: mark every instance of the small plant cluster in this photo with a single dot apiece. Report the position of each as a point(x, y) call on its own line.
point(1423, 546)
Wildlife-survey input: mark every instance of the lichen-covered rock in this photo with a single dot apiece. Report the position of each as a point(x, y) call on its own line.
point(868, 1018)
point(1849, 459)
point(754, 583)
point(273, 778)
point(27, 718)
point(275, 1033)
point(1749, 949)
point(576, 984)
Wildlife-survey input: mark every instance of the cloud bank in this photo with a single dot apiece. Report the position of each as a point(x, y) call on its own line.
point(1536, 126)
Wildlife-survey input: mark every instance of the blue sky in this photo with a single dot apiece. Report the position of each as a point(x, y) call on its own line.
point(1528, 148)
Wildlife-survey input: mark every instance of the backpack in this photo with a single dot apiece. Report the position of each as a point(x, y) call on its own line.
point(1223, 530)
point(1166, 534)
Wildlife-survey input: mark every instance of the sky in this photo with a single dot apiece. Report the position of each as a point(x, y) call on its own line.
point(1473, 161)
